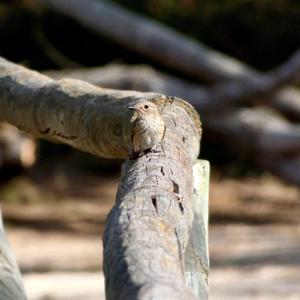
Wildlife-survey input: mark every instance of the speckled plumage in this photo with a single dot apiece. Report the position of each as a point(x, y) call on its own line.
point(148, 126)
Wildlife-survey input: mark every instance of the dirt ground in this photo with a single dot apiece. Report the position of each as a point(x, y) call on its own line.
point(55, 222)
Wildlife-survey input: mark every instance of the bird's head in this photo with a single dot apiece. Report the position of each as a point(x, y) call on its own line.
point(145, 108)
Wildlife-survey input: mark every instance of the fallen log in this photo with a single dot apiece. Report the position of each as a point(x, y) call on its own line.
point(207, 99)
point(287, 168)
point(150, 38)
point(149, 228)
point(184, 54)
point(261, 133)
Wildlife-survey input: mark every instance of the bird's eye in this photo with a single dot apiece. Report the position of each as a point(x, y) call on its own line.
point(146, 106)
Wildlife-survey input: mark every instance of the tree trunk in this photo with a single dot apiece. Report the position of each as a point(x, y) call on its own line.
point(148, 229)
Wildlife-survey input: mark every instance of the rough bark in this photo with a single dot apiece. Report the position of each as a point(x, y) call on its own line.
point(207, 99)
point(44, 107)
point(273, 134)
point(40, 106)
point(196, 60)
point(149, 227)
point(11, 286)
point(73, 112)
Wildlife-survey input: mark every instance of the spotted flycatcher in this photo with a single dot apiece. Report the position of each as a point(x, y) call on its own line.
point(148, 126)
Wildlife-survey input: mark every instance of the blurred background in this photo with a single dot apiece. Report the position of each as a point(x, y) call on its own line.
point(55, 199)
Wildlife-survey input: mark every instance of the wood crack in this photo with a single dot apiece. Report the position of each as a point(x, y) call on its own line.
point(153, 198)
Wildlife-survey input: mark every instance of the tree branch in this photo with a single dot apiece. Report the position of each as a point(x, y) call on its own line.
point(148, 229)
point(260, 132)
point(273, 134)
point(287, 168)
point(167, 46)
point(150, 38)
point(287, 101)
point(184, 54)
point(207, 99)
point(73, 112)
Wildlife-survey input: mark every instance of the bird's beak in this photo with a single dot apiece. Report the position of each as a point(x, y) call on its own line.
point(131, 107)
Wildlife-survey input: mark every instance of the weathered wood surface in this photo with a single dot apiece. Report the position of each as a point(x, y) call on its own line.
point(205, 98)
point(148, 229)
point(262, 133)
point(196, 258)
point(73, 112)
point(11, 286)
point(273, 134)
point(233, 82)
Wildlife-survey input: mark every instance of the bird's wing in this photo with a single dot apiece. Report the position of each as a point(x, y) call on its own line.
point(133, 129)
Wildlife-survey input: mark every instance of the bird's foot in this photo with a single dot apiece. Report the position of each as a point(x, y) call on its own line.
point(136, 155)
point(154, 149)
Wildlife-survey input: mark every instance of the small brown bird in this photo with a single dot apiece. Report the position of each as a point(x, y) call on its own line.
point(148, 126)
